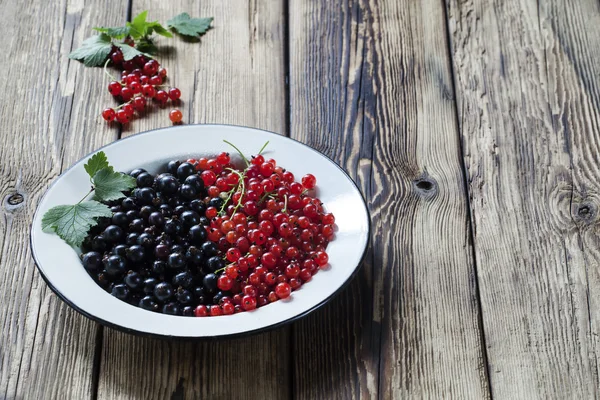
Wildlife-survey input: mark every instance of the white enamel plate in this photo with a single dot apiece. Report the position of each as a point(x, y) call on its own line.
point(60, 266)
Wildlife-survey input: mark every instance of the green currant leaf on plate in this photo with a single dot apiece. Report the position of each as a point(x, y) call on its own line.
point(96, 162)
point(72, 223)
point(110, 185)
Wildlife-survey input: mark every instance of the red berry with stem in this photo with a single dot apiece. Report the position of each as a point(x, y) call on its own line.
point(109, 114)
point(175, 116)
point(161, 96)
point(135, 87)
point(128, 108)
point(151, 67)
point(148, 90)
point(114, 88)
point(122, 117)
point(139, 103)
point(156, 80)
point(116, 57)
point(126, 94)
point(162, 72)
point(224, 282)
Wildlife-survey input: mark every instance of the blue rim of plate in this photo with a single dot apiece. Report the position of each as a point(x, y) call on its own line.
point(202, 338)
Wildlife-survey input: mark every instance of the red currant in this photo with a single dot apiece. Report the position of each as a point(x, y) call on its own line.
point(109, 114)
point(175, 116)
point(248, 303)
point(309, 181)
point(148, 90)
point(283, 290)
point(139, 103)
point(215, 311)
point(122, 117)
point(114, 88)
point(161, 96)
point(174, 94)
point(201, 311)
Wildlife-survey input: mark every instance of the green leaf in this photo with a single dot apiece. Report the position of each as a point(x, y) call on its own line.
point(139, 22)
point(72, 223)
point(130, 52)
point(133, 32)
point(188, 26)
point(110, 185)
point(96, 162)
point(93, 50)
point(158, 28)
point(115, 33)
point(146, 45)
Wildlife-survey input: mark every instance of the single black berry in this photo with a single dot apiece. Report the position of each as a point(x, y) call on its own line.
point(136, 172)
point(176, 260)
point(92, 260)
point(163, 291)
point(135, 253)
point(148, 303)
point(184, 170)
point(171, 309)
point(210, 283)
point(113, 233)
point(144, 180)
point(115, 265)
point(133, 280)
point(120, 291)
point(197, 234)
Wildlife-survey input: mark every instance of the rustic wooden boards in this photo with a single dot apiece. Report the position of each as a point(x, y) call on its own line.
point(234, 76)
point(371, 87)
point(506, 156)
point(49, 122)
point(528, 109)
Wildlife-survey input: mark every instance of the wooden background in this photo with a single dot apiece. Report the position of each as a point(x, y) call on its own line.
point(472, 128)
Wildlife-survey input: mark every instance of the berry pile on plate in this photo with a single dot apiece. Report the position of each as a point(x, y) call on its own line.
point(207, 238)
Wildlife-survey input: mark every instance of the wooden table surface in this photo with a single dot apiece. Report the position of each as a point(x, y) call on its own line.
point(472, 128)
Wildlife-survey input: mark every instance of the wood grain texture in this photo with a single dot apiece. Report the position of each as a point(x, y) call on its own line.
point(235, 75)
point(371, 87)
point(49, 122)
point(529, 113)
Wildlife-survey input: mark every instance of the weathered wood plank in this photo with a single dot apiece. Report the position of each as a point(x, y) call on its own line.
point(529, 114)
point(235, 76)
point(371, 87)
point(49, 121)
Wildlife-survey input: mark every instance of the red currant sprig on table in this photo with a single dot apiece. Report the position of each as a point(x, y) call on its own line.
point(141, 80)
point(270, 230)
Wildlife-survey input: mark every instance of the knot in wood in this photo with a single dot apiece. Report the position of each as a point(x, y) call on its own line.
point(585, 212)
point(425, 186)
point(15, 199)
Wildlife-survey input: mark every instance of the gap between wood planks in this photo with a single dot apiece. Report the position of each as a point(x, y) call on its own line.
point(468, 201)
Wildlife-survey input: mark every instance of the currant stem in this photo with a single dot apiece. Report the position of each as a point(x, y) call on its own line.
point(262, 148)
point(239, 152)
point(108, 73)
point(284, 204)
point(86, 195)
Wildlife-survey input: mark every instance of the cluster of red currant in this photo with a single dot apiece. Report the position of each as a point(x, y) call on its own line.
point(271, 230)
point(141, 79)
